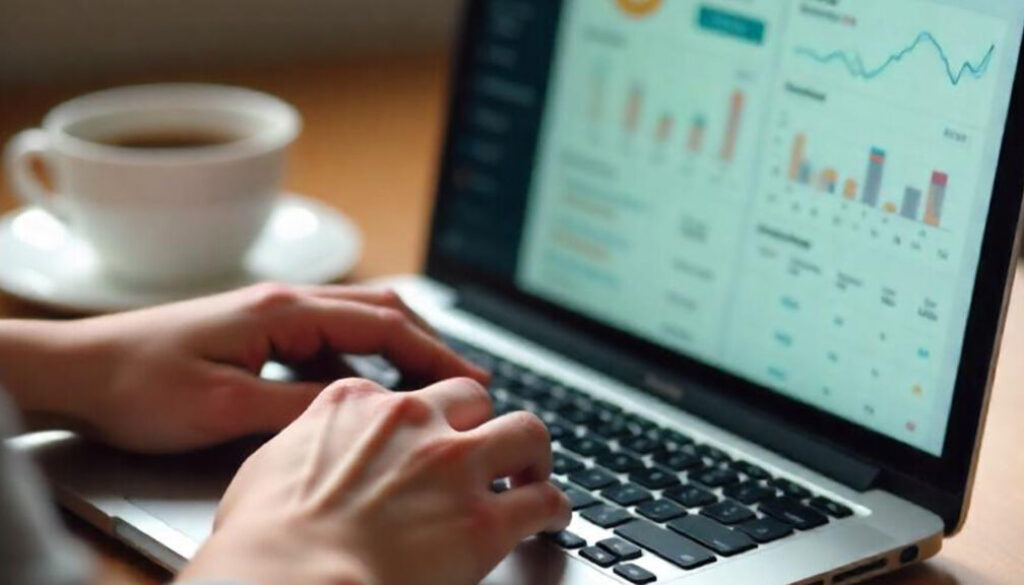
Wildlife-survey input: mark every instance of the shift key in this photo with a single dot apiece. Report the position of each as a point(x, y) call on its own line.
point(667, 545)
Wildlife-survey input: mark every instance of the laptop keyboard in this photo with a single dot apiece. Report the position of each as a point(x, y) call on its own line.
point(655, 490)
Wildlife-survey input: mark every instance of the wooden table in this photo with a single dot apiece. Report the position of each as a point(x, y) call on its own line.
point(369, 147)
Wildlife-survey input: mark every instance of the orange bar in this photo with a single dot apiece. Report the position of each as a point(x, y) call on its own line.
point(664, 128)
point(850, 189)
point(633, 107)
point(797, 158)
point(733, 128)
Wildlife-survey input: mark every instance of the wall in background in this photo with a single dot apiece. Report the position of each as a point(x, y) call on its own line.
point(46, 40)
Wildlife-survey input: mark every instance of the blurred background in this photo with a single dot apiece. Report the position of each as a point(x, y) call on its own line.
point(369, 78)
point(45, 40)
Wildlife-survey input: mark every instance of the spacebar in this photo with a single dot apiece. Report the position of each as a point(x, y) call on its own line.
point(667, 545)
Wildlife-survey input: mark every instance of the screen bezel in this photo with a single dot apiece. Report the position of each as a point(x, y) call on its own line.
point(949, 473)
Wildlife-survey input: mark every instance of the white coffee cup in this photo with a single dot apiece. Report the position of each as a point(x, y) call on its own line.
point(160, 214)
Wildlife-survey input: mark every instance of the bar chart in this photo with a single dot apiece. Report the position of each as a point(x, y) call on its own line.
point(875, 193)
point(641, 121)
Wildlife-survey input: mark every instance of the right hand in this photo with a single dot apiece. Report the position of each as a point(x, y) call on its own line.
point(369, 487)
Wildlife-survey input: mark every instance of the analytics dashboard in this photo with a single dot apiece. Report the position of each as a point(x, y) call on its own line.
point(792, 191)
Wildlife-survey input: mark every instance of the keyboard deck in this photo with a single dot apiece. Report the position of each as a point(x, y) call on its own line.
point(655, 490)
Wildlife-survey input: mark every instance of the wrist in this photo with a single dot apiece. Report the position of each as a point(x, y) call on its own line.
point(258, 556)
point(43, 366)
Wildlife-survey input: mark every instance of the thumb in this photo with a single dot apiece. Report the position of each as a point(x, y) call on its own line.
point(261, 405)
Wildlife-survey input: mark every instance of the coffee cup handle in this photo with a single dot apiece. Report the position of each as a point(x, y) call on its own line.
point(18, 156)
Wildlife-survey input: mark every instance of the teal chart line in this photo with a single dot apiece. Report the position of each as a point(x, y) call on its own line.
point(855, 65)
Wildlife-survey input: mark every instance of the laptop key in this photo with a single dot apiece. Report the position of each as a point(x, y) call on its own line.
point(827, 506)
point(562, 464)
point(559, 431)
point(626, 551)
point(727, 512)
point(660, 510)
point(749, 492)
point(594, 478)
point(793, 512)
point(654, 478)
point(716, 477)
point(576, 415)
point(750, 470)
point(722, 540)
point(679, 439)
point(634, 573)
point(627, 494)
point(587, 445)
point(619, 461)
point(566, 539)
point(791, 489)
point(640, 444)
point(606, 516)
point(580, 499)
point(765, 529)
point(599, 556)
point(691, 496)
point(713, 453)
point(677, 460)
point(675, 549)
point(613, 430)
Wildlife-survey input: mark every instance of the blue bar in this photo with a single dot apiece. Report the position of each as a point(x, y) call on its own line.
point(731, 24)
point(873, 183)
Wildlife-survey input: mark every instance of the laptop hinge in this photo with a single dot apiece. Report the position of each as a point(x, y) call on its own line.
point(820, 455)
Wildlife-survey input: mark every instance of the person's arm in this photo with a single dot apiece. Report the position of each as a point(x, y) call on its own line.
point(366, 487)
point(185, 375)
point(39, 369)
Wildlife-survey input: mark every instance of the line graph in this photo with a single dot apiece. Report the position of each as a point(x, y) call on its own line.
point(855, 65)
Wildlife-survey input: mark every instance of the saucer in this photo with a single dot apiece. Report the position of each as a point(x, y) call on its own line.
point(304, 242)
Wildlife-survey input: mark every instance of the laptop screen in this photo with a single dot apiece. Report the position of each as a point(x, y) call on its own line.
point(794, 192)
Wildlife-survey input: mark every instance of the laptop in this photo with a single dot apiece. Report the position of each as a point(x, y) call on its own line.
point(749, 261)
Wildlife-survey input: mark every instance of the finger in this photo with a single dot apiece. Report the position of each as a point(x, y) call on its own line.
point(380, 296)
point(255, 405)
point(463, 401)
point(533, 508)
point(517, 446)
point(353, 327)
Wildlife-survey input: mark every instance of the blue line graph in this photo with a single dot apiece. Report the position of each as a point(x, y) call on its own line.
point(856, 67)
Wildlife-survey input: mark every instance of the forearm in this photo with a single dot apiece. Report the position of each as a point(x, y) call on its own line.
point(41, 368)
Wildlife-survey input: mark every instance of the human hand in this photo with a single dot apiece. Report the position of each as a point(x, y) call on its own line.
point(186, 375)
point(370, 487)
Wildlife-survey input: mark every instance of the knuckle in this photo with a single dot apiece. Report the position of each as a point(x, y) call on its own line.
point(443, 450)
point(392, 319)
point(409, 408)
point(531, 427)
point(472, 388)
point(347, 388)
point(390, 297)
point(270, 296)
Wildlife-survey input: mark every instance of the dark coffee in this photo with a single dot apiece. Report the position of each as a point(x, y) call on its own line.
point(169, 139)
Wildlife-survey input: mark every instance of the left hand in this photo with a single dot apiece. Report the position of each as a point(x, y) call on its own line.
point(186, 375)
